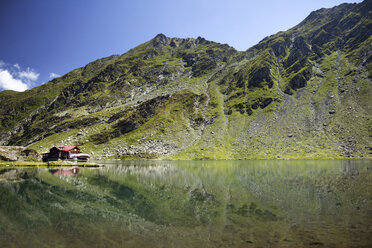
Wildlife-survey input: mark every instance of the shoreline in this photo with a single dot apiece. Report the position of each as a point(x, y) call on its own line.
point(45, 164)
point(96, 165)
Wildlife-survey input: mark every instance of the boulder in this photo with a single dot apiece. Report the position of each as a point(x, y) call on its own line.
point(18, 153)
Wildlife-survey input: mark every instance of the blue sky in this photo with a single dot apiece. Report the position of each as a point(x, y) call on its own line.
point(43, 39)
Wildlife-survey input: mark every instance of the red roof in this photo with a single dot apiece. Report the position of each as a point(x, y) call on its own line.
point(66, 172)
point(65, 148)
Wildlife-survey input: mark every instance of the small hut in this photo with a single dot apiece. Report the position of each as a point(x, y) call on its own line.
point(64, 152)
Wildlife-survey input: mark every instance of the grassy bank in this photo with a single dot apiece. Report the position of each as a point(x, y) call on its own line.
point(43, 164)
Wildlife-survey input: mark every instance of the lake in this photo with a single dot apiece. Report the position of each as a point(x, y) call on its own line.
point(189, 204)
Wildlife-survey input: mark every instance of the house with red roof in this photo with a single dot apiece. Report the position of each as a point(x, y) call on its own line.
point(64, 152)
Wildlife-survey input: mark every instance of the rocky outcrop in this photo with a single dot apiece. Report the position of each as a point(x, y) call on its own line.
point(18, 153)
point(159, 41)
point(300, 79)
point(130, 120)
point(260, 75)
point(154, 148)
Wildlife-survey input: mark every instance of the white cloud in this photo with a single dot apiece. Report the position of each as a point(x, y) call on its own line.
point(29, 74)
point(54, 75)
point(8, 82)
point(12, 77)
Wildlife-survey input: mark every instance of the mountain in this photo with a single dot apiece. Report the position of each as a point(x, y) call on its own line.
point(302, 93)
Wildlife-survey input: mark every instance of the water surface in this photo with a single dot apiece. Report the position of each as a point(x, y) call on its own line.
point(189, 204)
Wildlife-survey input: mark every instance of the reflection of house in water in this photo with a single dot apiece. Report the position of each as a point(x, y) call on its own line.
point(64, 172)
point(64, 152)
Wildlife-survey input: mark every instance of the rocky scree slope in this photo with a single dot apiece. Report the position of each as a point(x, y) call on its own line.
point(302, 93)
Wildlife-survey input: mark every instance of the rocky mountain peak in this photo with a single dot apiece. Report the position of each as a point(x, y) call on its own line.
point(160, 40)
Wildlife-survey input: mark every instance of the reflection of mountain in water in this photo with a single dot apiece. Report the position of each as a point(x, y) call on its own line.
point(189, 204)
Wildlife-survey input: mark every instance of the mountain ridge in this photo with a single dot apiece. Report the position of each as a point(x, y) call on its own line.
point(301, 93)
